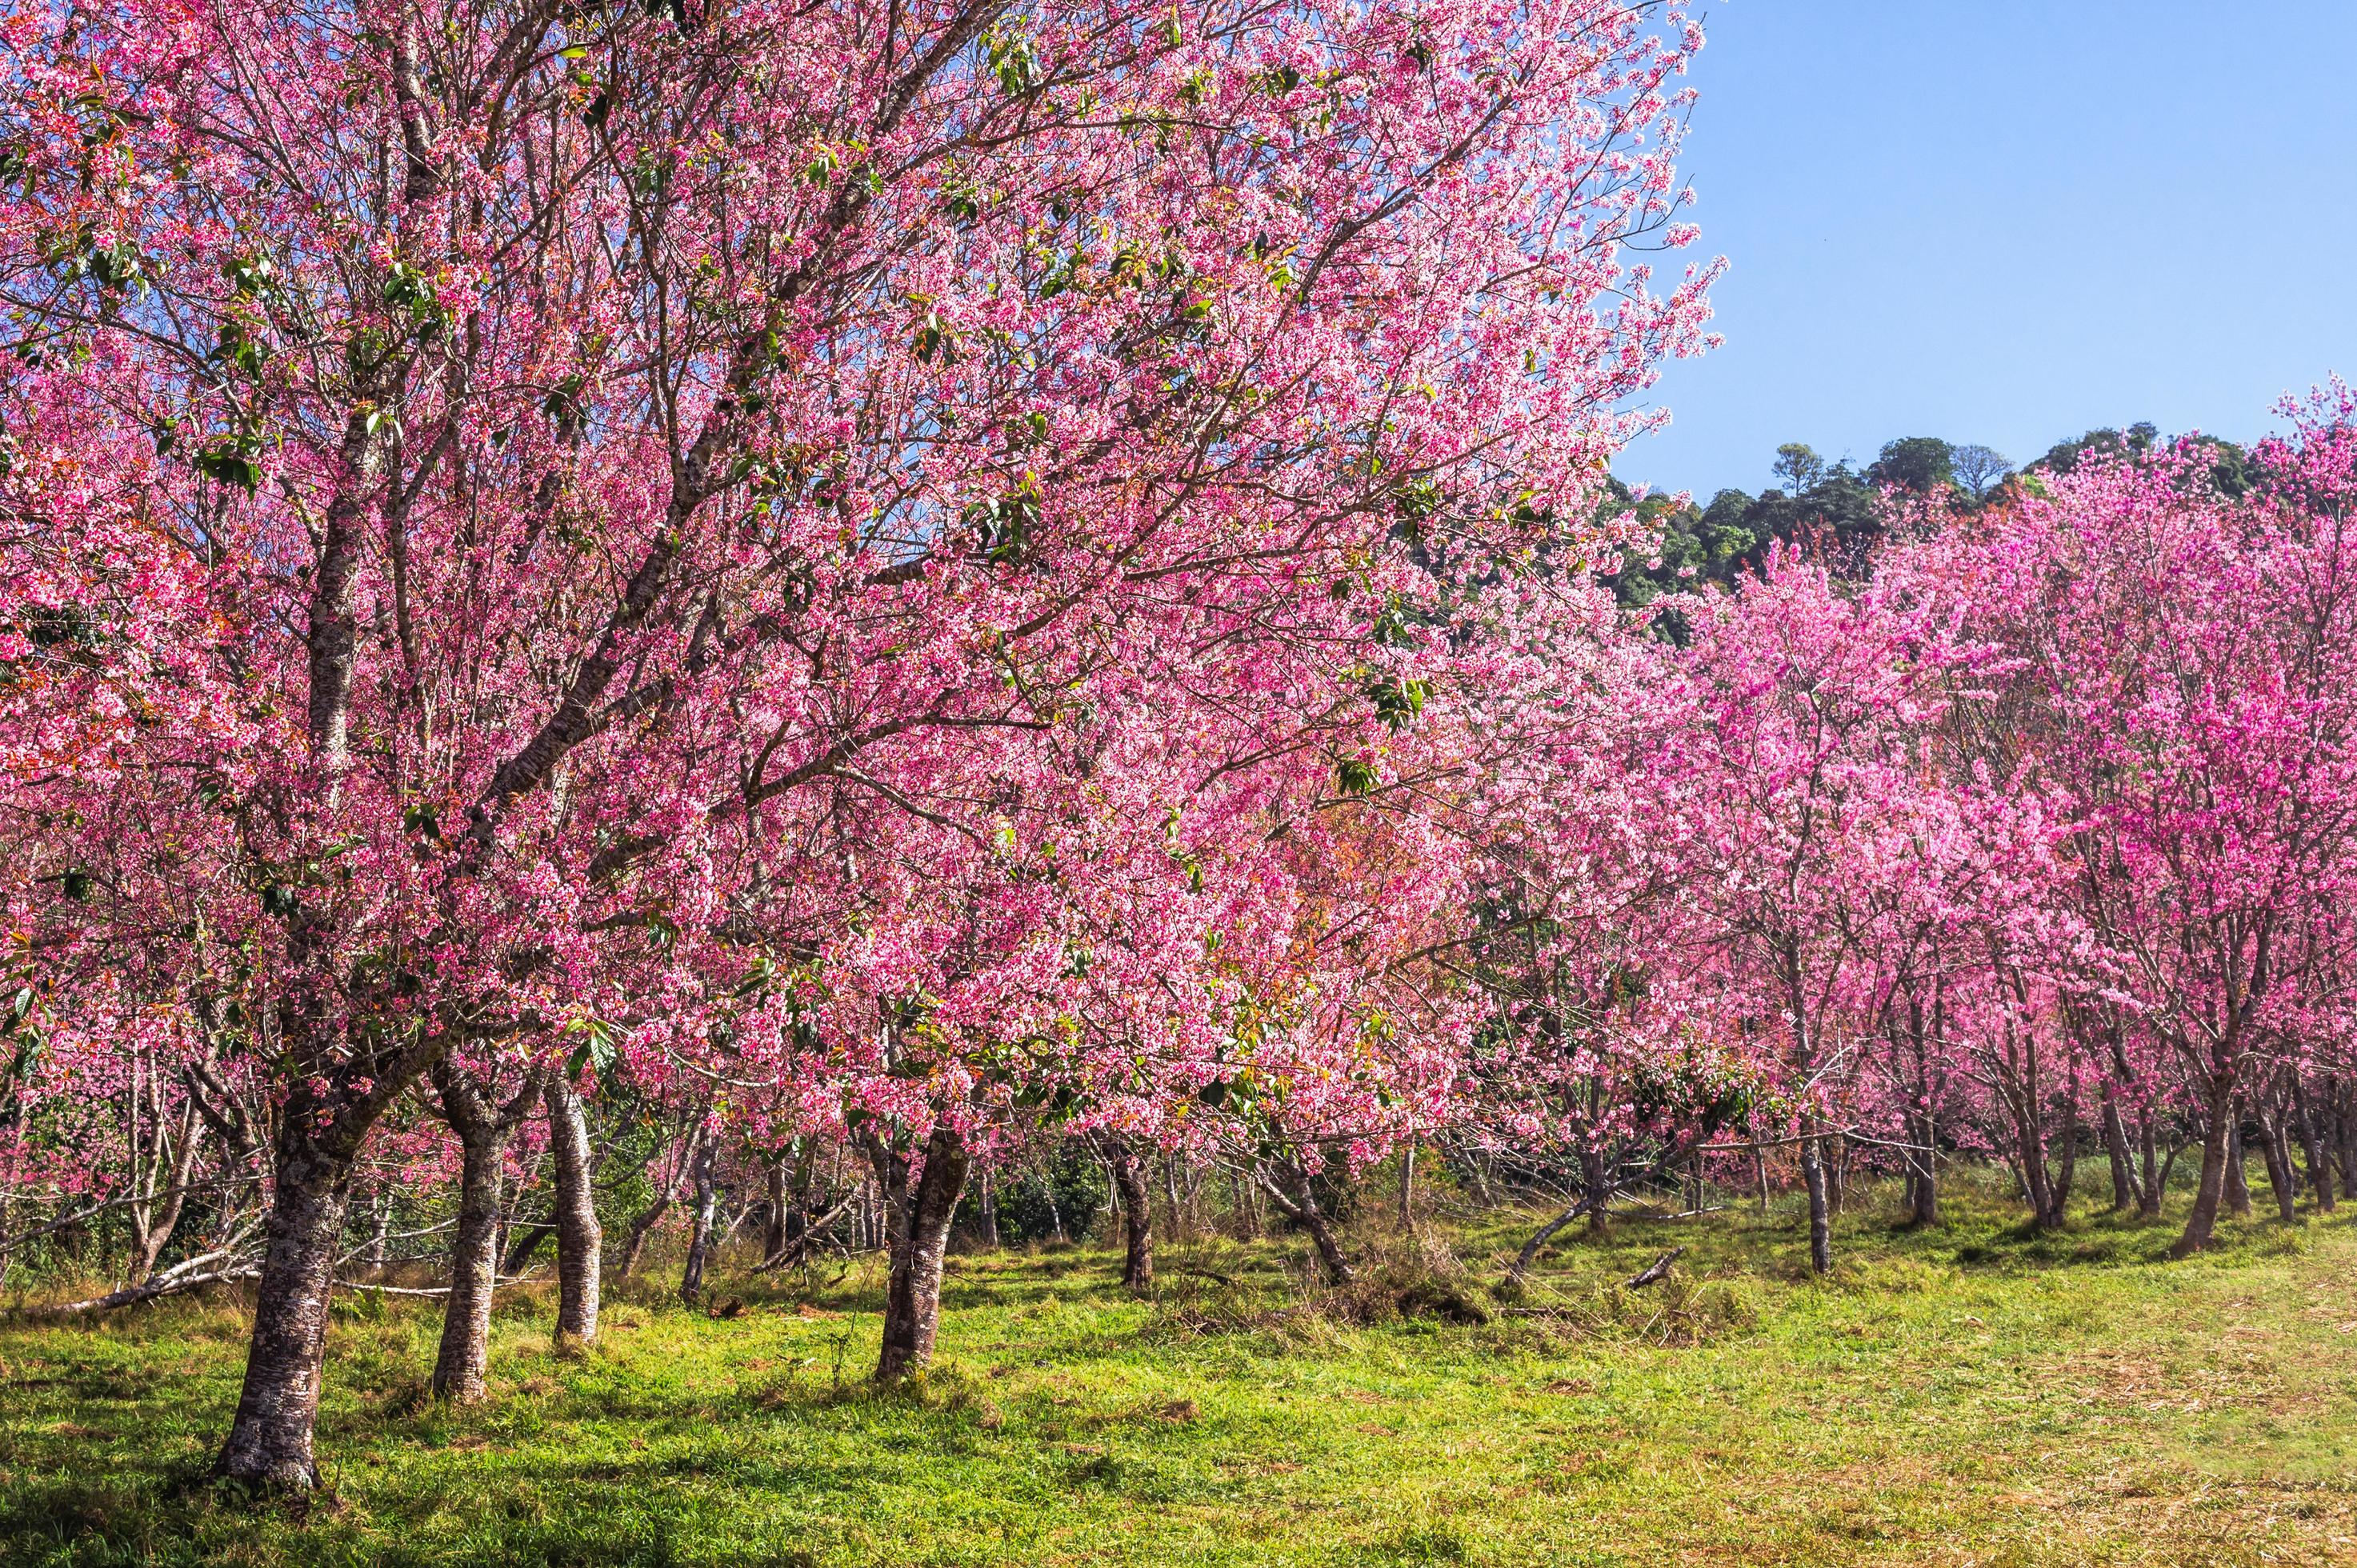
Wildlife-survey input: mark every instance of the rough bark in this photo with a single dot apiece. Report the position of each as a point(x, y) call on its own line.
point(580, 1240)
point(483, 1129)
point(920, 1244)
point(464, 1354)
point(270, 1438)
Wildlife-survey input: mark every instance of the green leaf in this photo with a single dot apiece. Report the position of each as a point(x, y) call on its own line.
point(232, 463)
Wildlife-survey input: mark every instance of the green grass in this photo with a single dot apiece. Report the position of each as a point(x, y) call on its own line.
point(1970, 1394)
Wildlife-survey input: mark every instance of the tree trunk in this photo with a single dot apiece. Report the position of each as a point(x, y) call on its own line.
point(153, 1231)
point(1922, 1178)
point(1137, 1218)
point(465, 1352)
point(1529, 1254)
point(270, 1438)
point(579, 1238)
point(2124, 1195)
point(699, 1240)
point(2344, 1135)
point(525, 1242)
point(1821, 1229)
point(483, 1132)
point(1171, 1189)
point(2278, 1163)
point(1408, 1187)
point(2202, 1223)
point(2029, 1143)
point(645, 1225)
point(380, 1230)
point(773, 1231)
point(2237, 1174)
point(1596, 1188)
point(1300, 1205)
point(2058, 1196)
point(2156, 1178)
point(919, 1243)
point(2312, 1149)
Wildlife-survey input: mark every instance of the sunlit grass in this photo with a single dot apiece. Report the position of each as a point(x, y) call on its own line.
point(1968, 1394)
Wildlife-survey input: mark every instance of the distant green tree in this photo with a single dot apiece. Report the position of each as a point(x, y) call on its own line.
point(2064, 456)
point(1918, 463)
point(1798, 465)
point(2230, 467)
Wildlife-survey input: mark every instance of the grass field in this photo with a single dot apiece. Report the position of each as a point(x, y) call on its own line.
point(1965, 1395)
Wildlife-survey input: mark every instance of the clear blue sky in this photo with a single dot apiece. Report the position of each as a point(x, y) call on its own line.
point(2009, 220)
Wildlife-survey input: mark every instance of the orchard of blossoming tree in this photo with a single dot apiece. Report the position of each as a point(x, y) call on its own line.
point(746, 635)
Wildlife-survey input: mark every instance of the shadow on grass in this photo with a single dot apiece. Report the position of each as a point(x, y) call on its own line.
point(693, 1439)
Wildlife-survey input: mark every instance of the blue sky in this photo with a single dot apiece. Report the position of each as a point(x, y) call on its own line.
point(2009, 220)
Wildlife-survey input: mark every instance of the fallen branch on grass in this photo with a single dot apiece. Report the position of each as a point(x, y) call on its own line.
point(429, 1290)
point(1660, 1269)
point(181, 1276)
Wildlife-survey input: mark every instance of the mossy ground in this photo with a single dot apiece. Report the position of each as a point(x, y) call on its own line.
point(1967, 1394)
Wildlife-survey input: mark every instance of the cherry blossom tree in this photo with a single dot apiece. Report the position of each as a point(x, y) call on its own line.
point(574, 512)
